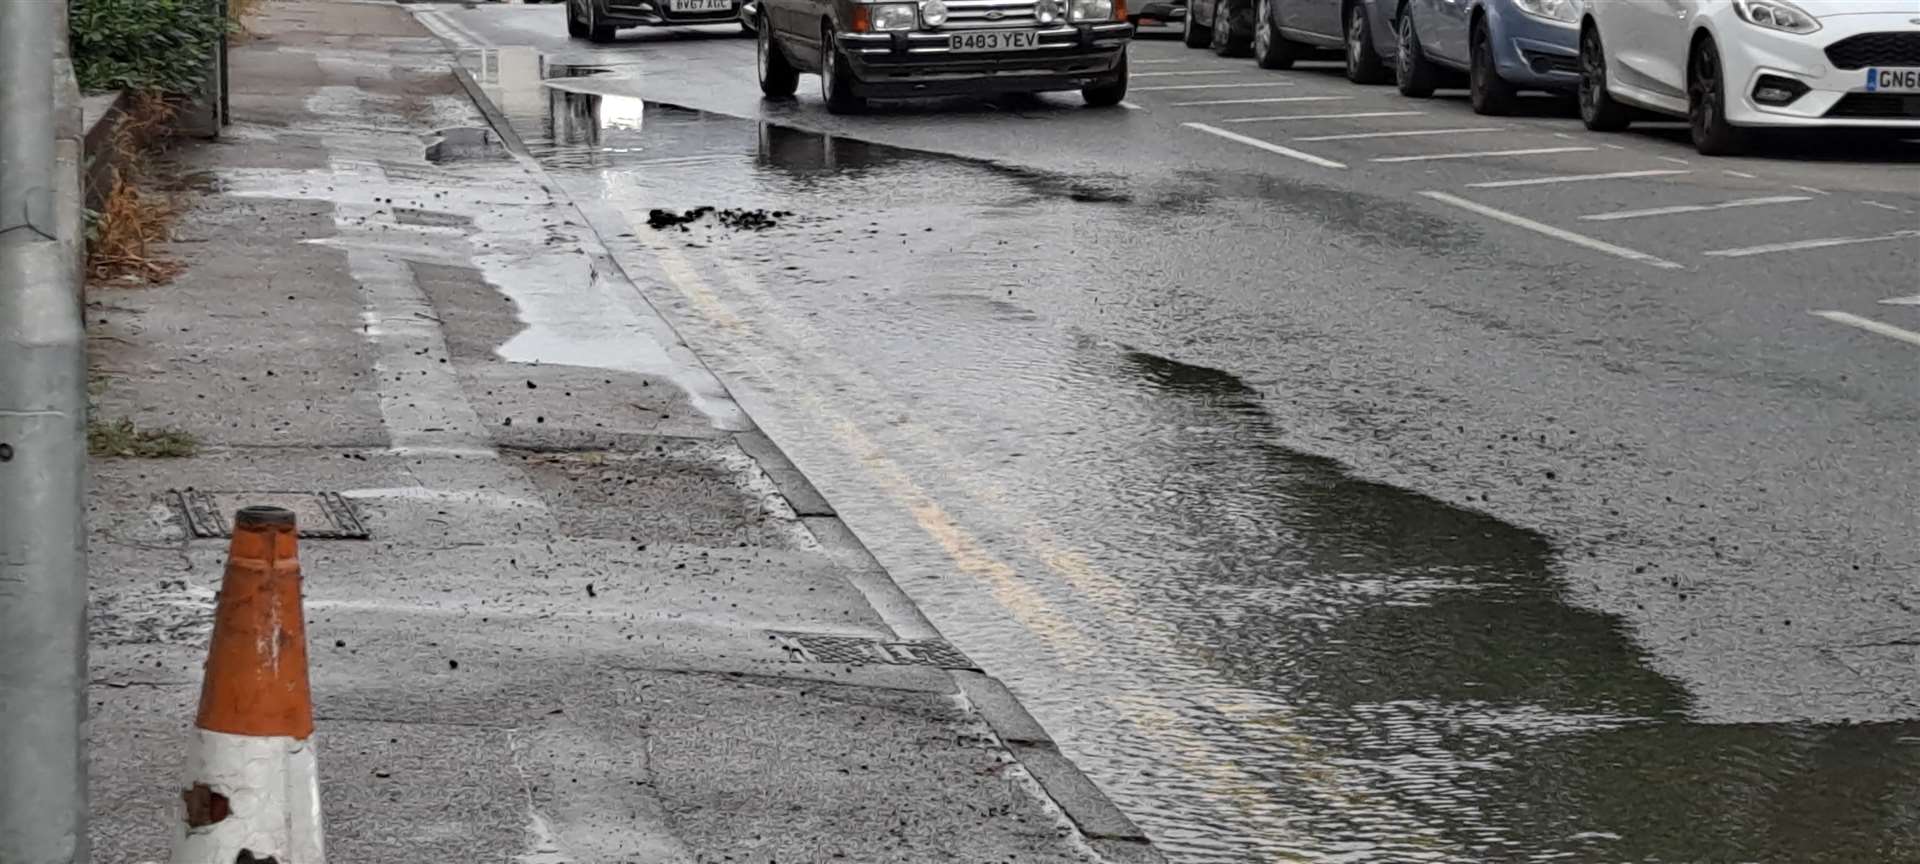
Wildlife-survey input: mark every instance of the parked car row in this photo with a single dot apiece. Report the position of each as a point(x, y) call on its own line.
point(1725, 66)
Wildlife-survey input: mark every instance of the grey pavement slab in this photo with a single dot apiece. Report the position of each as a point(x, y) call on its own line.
point(554, 645)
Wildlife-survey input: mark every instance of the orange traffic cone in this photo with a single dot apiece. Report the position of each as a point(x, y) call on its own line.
point(253, 790)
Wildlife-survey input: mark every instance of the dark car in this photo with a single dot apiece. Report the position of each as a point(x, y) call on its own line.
point(599, 20)
point(882, 50)
point(1361, 30)
point(1226, 26)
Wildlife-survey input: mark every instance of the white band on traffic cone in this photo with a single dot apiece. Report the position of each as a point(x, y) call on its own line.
point(249, 799)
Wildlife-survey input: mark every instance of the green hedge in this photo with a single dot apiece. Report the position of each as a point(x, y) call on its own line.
point(154, 45)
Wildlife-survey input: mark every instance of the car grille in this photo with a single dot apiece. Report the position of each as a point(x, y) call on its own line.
point(1875, 49)
point(980, 14)
point(1886, 105)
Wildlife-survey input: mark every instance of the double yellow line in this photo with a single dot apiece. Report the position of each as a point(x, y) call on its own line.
point(1217, 771)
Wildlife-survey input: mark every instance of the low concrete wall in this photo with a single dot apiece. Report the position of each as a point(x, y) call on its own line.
point(101, 116)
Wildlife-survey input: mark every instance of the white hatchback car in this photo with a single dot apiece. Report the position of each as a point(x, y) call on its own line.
point(1726, 65)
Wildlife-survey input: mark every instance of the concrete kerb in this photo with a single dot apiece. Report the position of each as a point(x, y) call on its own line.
point(1108, 830)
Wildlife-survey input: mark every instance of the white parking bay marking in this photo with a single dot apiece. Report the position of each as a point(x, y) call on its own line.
point(1267, 101)
point(1483, 154)
point(1410, 133)
point(1822, 243)
point(1262, 102)
point(1265, 145)
point(1912, 300)
point(1276, 118)
point(1812, 190)
point(1542, 228)
point(1576, 178)
point(1695, 208)
point(1869, 325)
point(1213, 86)
point(1130, 106)
point(1183, 74)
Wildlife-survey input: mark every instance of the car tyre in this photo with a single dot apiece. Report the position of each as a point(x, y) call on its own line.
point(1364, 65)
point(836, 80)
point(1713, 135)
point(1229, 41)
point(576, 28)
point(598, 32)
point(1598, 110)
point(1271, 50)
point(1111, 93)
point(778, 78)
point(1491, 94)
point(1416, 75)
point(1196, 36)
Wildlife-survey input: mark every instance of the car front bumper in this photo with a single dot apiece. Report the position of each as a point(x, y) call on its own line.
point(1532, 52)
point(1834, 96)
point(920, 63)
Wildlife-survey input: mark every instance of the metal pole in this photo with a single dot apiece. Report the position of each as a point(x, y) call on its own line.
point(43, 582)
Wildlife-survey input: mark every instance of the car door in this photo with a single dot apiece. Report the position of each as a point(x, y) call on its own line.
point(1299, 18)
point(1652, 45)
point(796, 23)
point(1448, 41)
point(1426, 16)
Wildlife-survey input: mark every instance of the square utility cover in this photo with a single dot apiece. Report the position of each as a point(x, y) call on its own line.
point(319, 515)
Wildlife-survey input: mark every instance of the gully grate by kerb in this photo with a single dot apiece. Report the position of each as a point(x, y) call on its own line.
point(320, 515)
point(858, 651)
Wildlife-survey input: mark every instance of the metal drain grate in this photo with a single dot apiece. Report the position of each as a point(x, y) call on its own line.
point(854, 650)
point(320, 515)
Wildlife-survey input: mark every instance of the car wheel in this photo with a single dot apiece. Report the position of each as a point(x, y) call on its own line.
point(1414, 73)
point(1363, 60)
point(598, 32)
point(1707, 104)
point(778, 78)
point(576, 28)
point(1113, 91)
point(836, 80)
point(1228, 41)
point(1270, 49)
point(1197, 36)
point(1597, 108)
point(1492, 95)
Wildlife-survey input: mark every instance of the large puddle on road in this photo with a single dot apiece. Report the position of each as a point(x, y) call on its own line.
point(1261, 657)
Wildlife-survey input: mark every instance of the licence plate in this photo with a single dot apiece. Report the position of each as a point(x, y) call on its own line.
point(995, 40)
point(1893, 80)
point(699, 5)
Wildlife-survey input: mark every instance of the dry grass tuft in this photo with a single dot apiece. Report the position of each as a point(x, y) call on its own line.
point(134, 219)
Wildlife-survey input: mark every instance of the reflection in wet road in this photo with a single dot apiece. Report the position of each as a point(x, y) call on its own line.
point(1260, 656)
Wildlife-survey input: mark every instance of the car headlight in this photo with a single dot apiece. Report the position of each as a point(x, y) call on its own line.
point(1563, 11)
point(1090, 10)
point(892, 16)
point(1046, 11)
point(933, 12)
point(1776, 15)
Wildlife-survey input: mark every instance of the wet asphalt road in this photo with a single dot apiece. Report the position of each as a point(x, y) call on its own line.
point(1318, 517)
